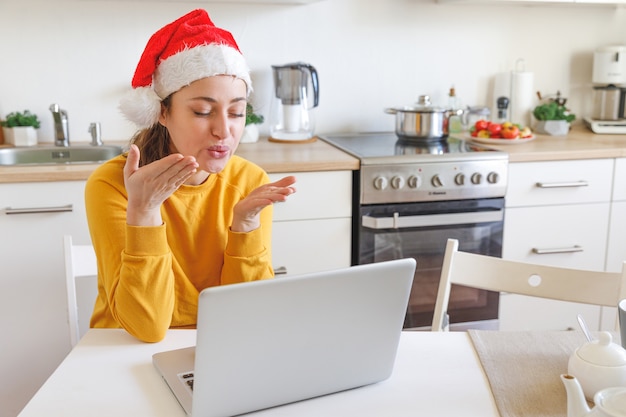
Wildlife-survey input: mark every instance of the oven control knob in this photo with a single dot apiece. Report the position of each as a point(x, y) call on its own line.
point(493, 178)
point(476, 178)
point(397, 182)
point(380, 183)
point(414, 181)
point(459, 179)
point(436, 181)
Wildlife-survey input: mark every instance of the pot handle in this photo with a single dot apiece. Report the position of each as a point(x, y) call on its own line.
point(391, 111)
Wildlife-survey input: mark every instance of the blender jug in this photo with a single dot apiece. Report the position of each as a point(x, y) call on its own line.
point(296, 93)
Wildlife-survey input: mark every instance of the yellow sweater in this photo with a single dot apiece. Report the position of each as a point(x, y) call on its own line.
point(149, 278)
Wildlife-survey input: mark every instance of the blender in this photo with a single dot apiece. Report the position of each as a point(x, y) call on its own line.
point(609, 91)
point(296, 94)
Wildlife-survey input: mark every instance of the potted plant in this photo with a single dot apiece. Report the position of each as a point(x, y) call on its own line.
point(553, 118)
point(251, 132)
point(19, 128)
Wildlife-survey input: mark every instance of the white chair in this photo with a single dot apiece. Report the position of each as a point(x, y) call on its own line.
point(496, 274)
point(81, 276)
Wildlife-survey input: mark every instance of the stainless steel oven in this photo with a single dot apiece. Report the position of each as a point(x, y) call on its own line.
point(409, 198)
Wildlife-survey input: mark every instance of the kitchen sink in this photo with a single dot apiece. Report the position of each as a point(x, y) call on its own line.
point(46, 155)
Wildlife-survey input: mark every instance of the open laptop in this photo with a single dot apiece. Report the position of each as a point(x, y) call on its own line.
point(267, 343)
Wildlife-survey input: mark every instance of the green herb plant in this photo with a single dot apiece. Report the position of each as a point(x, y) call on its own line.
point(17, 119)
point(553, 111)
point(252, 117)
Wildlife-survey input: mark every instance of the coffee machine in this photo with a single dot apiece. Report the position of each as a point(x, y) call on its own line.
point(296, 94)
point(609, 91)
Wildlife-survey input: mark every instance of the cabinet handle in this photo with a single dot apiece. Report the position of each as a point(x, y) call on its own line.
point(281, 270)
point(33, 210)
point(566, 184)
point(575, 248)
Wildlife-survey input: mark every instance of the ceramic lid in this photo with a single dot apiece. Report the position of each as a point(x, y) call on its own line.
point(612, 401)
point(603, 352)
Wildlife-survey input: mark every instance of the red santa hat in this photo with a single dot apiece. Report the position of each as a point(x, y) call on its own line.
point(186, 50)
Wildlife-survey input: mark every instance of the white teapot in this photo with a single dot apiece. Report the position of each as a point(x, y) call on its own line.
point(610, 402)
point(598, 364)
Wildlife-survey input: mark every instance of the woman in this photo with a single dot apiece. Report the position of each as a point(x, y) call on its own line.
point(180, 212)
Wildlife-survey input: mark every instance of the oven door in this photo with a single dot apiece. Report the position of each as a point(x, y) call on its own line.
point(420, 231)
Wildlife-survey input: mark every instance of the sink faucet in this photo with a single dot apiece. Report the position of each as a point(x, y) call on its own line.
point(94, 129)
point(61, 127)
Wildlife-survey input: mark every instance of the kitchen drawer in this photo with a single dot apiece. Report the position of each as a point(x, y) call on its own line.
point(562, 182)
point(619, 180)
point(304, 246)
point(528, 230)
point(320, 195)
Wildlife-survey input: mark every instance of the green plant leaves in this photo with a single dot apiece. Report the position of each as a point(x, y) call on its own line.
point(251, 117)
point(16, 119)
point(553, 111)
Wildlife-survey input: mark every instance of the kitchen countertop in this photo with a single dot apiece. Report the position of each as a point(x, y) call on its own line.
point(580, 143)
point(271, 156)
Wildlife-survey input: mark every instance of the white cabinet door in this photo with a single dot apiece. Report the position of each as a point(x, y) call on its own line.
point(579, 230)
point(616, 249)
point(304, 246)
point(557, 214)
point(319, 195)
point(312, 230)
point(33, 313)
point(568, 182)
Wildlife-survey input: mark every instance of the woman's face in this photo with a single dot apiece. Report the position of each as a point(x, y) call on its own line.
point(206, 120)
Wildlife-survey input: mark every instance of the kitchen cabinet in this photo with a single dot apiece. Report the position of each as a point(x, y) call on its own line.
point(616, 249)
point(33, 219)
point(557, 213)
point(312, 231)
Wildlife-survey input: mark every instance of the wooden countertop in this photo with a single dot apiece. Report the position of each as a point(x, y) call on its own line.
point(580, 143)
point(273, 157)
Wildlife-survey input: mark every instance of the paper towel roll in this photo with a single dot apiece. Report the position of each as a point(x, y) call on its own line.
point(522, 97)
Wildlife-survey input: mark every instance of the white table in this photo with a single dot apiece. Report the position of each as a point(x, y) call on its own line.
point(109, 373)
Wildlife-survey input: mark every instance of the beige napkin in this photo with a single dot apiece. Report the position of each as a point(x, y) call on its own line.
point(523, 369)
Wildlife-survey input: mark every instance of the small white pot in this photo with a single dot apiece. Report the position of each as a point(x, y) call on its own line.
point(552, 127)
point(20, 136)
point(250, 134)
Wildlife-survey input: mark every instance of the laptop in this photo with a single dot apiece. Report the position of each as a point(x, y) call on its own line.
point(267, 343)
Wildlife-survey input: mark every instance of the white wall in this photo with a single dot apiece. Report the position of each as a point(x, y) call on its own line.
point(370, 54)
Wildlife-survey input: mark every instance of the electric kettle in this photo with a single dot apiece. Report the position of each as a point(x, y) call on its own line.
point(296, 94)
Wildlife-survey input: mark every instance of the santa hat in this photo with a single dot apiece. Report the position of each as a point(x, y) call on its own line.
point(186, 50)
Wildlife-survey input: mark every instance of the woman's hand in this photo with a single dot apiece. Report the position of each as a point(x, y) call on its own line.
point(149, 186)
point(246, 212)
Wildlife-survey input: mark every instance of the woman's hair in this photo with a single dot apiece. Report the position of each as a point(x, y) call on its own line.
point(153, 142)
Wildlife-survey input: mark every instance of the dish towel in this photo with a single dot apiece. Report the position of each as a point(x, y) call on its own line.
point(523, 369)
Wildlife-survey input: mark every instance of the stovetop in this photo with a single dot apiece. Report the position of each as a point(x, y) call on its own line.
point(387, 148)
point(398, 171)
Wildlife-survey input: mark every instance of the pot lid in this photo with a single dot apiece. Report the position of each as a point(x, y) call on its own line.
point(423, 105)
point(603, 351)
point(612, 401)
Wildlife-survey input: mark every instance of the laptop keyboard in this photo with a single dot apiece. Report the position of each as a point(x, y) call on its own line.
point(187, 378)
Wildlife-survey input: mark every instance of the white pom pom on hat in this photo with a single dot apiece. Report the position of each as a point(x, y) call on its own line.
point(186, 50)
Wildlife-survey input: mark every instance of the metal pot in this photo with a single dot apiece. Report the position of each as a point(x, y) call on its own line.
point(422, 122)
